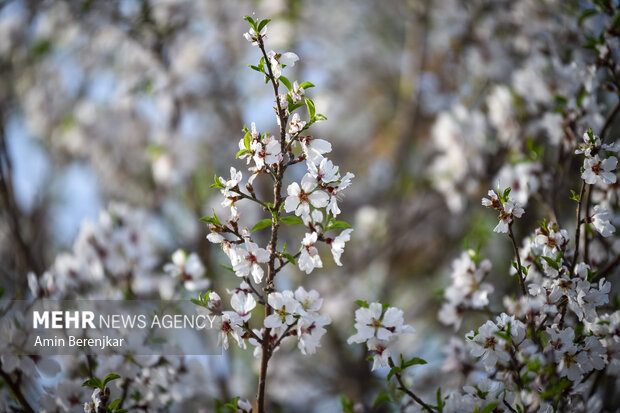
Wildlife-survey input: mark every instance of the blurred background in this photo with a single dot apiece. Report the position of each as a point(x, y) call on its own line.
point(115, 115)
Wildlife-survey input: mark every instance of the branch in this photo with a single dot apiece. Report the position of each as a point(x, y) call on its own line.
point(608, 268)
point(578, 228)
point(519, 270)
point(282, 337)
point(260, 297)
point(609, 120)
point(404, 388)
point(16, 391)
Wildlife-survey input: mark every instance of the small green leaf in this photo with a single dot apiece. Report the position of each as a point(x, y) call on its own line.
point(211, 220)
point(504, 335)
point(347, 404)
point(246, 140)
point(109, 378)
point(241, 152)
point(551, 263)
point(306, 85)
point(338, 225)
point(226, 267)
point(92, 382)
point(114, 404)
point(295, 106)
point(289, 258)
point(311, 109)
point(291, 220)
point(262, 24)
point(197, 302)
point(413, 362)
point(582, 94)
point(381, 397)
point(586, 14)
point(250, 20)
point(263, 223)
point(440, 402)
point(362, 303)
point(489, 408)
point(216, 182)
point(208, 219)
point(394, 370)
point(285, 82)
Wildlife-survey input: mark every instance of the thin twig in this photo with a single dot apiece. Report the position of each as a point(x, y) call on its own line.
point(404, 388)
point(519, 268)
point(578, 228)
point(16, 391)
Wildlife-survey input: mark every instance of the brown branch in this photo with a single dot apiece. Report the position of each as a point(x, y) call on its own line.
point(609, 120)
point(16, 391)
point(578, 228)
point(404, 388)
point(519, 268)
point(277, 200)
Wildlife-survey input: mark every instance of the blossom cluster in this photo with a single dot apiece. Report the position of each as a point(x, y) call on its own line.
point(378, 326)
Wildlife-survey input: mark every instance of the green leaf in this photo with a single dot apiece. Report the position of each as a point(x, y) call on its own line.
point(246, 140)
point(211, 220)
point(306, 85)
point(362, 303)
point(295, 106)
point(285, 82)
point(216, 182)
point(319, 117)
point(311, 109)
point(263, 223)
point(197, 302)
point(347, 404)
point(41, 47)
point(233, 404)
point(490, 407)
point(413, 362)
point(121, 411)
point(394, 370)
point(109, 378)
point(114, 404)
point(289, 257)
point(504, 335)
point(585, 15)
point(338, 225)
point(440, 402)
point(381, 397)
point(258, 69)
point(551, 262)
point(582, 94)
point(262, 24)
point(291, 220)
point(208, 219)
point(92, 382)
point(226, 267)
point(241, 152)
point(506, 193)
point(250, 20)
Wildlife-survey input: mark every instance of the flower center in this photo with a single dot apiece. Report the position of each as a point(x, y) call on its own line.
point(490, 342)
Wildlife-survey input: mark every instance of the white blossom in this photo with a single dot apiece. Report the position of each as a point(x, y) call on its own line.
point(597, 171)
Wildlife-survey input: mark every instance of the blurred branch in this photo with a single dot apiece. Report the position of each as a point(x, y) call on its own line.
point(7, 200)
point(14, 386)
